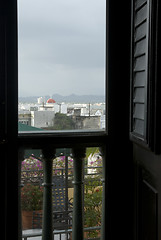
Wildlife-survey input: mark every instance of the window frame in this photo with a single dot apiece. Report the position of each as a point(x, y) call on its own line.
point(75, 132)
point(69, 137)
point(116, 142)
point(9, 136)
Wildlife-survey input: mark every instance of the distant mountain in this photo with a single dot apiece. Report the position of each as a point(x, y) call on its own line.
point(79, 98)
point(71, 98)
point(32, 99)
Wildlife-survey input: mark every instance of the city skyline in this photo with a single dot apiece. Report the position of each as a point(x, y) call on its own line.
point(70, 98)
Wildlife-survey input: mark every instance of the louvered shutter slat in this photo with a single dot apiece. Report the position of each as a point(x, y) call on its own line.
point(139, 127)
point(141, 15)
point(140, 63)
point(140, 31)
point(139, 95)
point(139, 111)
point(139, 3)
point(140, 48)
point(140, 67)
point(140, 79)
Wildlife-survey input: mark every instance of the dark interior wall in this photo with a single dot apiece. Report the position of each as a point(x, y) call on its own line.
point(147, 192)
point(120, 162)
point(8, 118)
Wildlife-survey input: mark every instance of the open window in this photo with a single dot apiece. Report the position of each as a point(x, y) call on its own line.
point(61, 65)
point(62, 98)
point(78, 140)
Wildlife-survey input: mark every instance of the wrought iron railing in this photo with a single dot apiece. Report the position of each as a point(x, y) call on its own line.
point(26, 235)
point(48, 154)
point(36, 180)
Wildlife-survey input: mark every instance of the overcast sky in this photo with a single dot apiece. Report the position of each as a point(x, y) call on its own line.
point(61, 47)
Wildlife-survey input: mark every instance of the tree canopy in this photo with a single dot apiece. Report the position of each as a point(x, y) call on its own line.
point(63, 122)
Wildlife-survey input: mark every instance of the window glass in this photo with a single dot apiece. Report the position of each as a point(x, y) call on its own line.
point(61, 51)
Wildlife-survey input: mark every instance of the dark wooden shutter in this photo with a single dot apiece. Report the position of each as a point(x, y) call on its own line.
point(140, 70)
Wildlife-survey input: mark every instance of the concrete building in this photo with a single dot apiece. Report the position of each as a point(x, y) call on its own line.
point(46, 107)
point(60, 108)
point(50, 105)
point(42, 119)
point(103, 122)
point(40, 100)
point(63, 108)
point(86, 122)
point(24, 117)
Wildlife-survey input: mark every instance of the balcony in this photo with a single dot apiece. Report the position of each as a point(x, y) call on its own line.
point(81, 182)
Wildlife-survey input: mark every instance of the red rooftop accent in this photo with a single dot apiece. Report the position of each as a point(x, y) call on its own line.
point(50, 100)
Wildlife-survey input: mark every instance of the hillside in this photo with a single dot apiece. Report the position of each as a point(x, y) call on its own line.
point(71, 98)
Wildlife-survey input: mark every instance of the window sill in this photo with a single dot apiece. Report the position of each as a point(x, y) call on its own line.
point(67, 138)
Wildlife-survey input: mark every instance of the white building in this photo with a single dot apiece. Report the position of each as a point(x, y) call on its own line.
point(46, 107)
point(103, 122)
point(42, 119)
point(63, 108)
point(40, 100)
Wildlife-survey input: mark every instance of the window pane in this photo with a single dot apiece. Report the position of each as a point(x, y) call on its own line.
point(61, 64)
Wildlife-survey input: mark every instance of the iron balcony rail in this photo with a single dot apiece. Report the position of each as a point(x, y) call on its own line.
point(48, 145)
point(36, 180)
point(27, 234)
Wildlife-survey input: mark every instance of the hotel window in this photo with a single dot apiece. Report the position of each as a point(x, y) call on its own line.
point(62, 82)
point(61, 62)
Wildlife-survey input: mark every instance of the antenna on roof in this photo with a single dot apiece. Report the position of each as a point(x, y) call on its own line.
point(89, 109)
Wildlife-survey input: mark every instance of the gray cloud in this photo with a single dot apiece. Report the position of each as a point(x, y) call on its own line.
point(61, 47)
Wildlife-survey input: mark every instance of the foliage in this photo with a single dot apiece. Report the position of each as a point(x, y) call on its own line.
point(94, 161)
point(63, 122)
point(91, 151)
point(59, 165)
point(31, 170)
point(92, 204)
point(31, 173)
point(31, 197)
point(93, 191)
point(32, 163)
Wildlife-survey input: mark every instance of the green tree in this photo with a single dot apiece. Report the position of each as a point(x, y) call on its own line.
point(63, 122)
